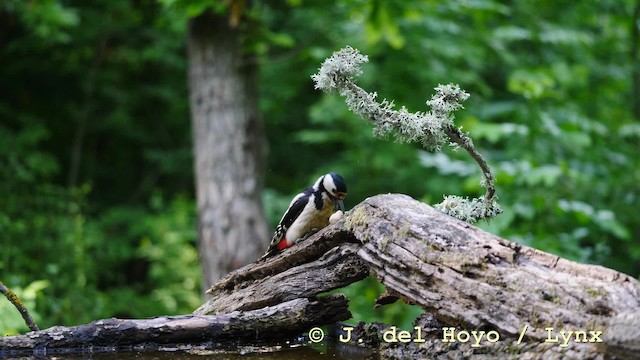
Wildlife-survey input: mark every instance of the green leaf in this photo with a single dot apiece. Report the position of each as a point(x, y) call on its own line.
point(545, 175)
point(532, 84)
point(280, 39)
point(607, 221)
point(495, 132)
point(511, 33)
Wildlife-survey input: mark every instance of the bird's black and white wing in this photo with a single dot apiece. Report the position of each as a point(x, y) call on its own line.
point(293, 212)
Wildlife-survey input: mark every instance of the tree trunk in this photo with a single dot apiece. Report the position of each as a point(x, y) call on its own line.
point(229, 147)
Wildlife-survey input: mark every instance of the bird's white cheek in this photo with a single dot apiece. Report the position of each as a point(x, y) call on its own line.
point(336, 216)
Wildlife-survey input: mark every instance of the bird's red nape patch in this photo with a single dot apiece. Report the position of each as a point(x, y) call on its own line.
point(283, 244)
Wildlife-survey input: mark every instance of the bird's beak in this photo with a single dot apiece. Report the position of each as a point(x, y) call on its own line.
point(338, 204)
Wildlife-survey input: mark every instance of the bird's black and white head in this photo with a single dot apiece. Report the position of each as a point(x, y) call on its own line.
point(333, 185)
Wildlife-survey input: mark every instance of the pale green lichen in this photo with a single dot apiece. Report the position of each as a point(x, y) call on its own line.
point(469, 210)
point(432, 129)
point(337, 74)
point(385, 242)
point(356, 218)
point(596, 292)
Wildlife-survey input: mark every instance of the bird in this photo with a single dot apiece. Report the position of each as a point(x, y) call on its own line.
point(308, 212)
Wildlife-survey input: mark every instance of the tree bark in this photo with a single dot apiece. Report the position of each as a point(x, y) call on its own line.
point(464, 275)
point(229, 147)
point(338, 268)
point(465, 279)
point(285, 319)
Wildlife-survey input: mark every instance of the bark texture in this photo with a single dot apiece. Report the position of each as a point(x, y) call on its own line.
point(466, 276)
point(338, 268)
point(280, 321)
point(465, 279)
point(472, 280)
point(462, 276)
point(229, 147)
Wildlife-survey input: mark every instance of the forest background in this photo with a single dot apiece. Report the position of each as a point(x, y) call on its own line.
point(97, 201)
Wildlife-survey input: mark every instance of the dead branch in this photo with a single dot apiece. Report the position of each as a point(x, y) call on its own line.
point(15, 300)
point(285, 319)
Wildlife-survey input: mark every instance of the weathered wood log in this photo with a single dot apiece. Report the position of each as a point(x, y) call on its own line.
point(467, 278)
point(302, 253)
point(337, 268)
point(285, 319)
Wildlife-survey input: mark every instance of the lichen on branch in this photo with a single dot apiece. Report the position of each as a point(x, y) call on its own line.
point(15, 300)
point(432, 129)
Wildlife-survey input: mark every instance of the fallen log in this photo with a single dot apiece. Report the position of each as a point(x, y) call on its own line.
point(466, 276)
point(465, 279)
point(338, 268)
point(276, 322)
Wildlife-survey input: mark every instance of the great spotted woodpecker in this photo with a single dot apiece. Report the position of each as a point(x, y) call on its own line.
point(310, 210)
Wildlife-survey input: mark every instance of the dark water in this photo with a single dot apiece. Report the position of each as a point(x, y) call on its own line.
point(320, 351)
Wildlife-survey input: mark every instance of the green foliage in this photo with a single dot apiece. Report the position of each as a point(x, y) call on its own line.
point(11, 321)
point(193, 8)
point(128, 262)
point(95, 156)
point(169, 248)
point(362, 297)
point(49, 20)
